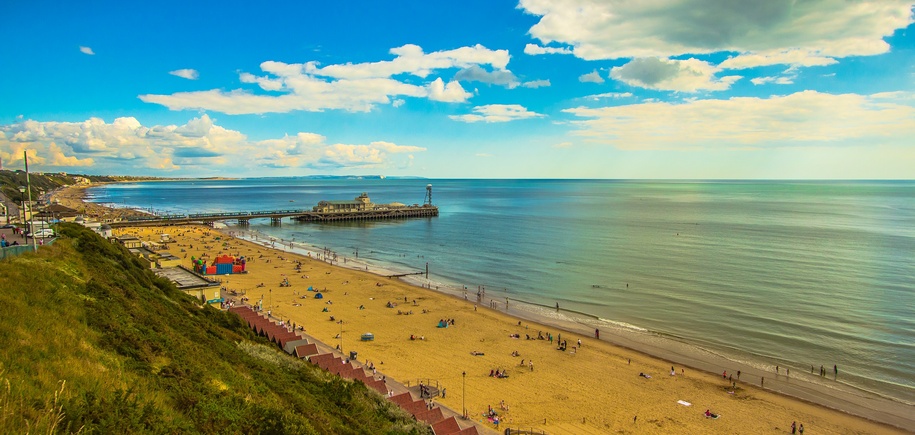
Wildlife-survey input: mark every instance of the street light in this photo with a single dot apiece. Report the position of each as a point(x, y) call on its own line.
point(341, 335)
point(22, 205)
point(463, 389)
point(22, 201)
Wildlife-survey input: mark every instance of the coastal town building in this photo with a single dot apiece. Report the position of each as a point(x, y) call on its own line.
point(360, 203)
point(129, 242)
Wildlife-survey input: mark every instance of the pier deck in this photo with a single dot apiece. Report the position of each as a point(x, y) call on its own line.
point(277, 215)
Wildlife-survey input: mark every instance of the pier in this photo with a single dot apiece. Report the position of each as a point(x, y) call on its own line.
point(359, 209)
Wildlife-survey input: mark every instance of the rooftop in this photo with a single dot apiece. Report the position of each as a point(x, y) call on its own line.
point(184, 278)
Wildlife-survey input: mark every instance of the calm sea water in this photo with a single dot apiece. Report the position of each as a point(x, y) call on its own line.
point(789, 273)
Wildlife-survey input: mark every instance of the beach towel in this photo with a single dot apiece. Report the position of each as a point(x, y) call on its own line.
point(684, 403)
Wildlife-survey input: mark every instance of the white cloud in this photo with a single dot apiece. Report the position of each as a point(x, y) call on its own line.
point(776, 31)
point(450, 93)
point(779, 80)
point(498, 77)
point(199, 146)
point(801, 119)
point(690, 75)
point(795, 58)
point(410, 59)
point(591, 77)
point(187, 73)
point(536, 84)
point(613, 95)
point(352, 87)
point(563, 145)
point(497, 113)
point(86, 50)
point(398, 102)
point(534, 50)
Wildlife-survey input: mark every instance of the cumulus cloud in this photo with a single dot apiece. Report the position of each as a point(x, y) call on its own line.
point(450, 93)
point(534, 50)
point(801, 119)
point(351, 87)
point(86, 50)
point(187, 73)
point(612, 95)
point(690, 75)
point(591, 77)
point(795, 58)
point(762, 32)
point(497, 113)
point(199, 146)
point(498, 77)
point(536, 84)
point(779, 80)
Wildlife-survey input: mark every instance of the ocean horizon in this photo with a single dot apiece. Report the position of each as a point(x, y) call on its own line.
point(795, 274)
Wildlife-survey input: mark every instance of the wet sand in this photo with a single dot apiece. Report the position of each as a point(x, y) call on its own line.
point(595, 389)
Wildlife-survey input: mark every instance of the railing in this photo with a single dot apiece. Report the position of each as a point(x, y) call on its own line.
point(13, 251)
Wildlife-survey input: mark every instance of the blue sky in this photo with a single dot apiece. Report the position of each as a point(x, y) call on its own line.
point(685, 89)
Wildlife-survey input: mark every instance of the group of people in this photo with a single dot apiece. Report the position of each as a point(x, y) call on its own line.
point(424, 391)
point(795, 428)
point(498, 373)
point(443, 323)
point(4, 243)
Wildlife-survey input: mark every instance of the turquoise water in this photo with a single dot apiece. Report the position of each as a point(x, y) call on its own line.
point(795, 274)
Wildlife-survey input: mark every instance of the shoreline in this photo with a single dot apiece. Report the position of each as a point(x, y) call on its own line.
point(847, 403)
point(840, 397)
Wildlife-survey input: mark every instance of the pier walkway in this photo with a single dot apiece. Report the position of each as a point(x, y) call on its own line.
point(276, 216)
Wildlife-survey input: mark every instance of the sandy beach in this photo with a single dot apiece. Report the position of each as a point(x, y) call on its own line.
point(592, 388)
point(72, 197)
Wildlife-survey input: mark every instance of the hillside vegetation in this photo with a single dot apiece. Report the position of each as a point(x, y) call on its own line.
point(92, 342)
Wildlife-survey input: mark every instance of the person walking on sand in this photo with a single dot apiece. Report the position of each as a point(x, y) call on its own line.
point(531, 364)
point(801, 429)
point(793, 427)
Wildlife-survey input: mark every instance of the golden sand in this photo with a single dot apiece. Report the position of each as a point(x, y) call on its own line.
point(595, 390)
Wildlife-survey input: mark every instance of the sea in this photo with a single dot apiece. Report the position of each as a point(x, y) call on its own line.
point(793, 274)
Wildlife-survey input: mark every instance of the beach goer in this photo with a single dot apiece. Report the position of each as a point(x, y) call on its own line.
point(597, 334)
point(793, 427)
point(801, 429)
point(738, 374)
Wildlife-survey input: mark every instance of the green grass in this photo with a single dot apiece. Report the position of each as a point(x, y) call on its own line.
point(91, 342)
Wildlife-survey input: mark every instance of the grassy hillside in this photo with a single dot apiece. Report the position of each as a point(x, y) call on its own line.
point(92, 342)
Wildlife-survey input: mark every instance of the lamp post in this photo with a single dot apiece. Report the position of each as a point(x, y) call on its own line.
point(22, 206)
point(341, 335)
point(463, 396)
point(28, 184)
